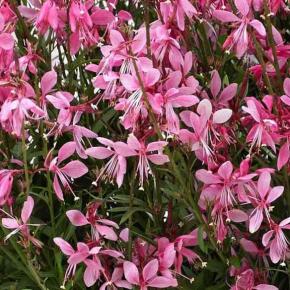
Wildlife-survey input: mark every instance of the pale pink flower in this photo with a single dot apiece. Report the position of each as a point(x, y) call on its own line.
point(43, 15)
point(276, 240)
point(151, 152)
point(148, 277)
point(65, 175)
point(81, 255)
point(263, 199)
point(21, 225)
point(100, 227)
point(239, 39)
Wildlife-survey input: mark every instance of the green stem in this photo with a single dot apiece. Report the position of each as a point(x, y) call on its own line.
point(272, 44)
point(24, 155)
point(263, 64)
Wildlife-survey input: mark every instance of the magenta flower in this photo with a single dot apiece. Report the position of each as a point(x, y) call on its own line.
point(6, 181)
point(149, 276)
point(277, 241)
point(151, 152)
point(43, 15)
point(116, 166)
point(100, 227)
point(238, 40)
point(203, 125)
point(62, 175)
point(93, 267)
point(6, 39)
point(21, 225)
point(265, 129)
point(265, 196)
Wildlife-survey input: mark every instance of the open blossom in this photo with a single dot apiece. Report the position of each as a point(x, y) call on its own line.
point(148, 277)
point(81, 255)
point(276, 240)
point(238, 40)
point(263, 199)
point(6, 39)
point(100, 227)
point(21, 225)
point(65, 175)
point(116, 167)
point(43, 15)
point(203, 124)
point(265, 127)
point(145, 152)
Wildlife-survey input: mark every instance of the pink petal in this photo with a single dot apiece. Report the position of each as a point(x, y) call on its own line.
point(129, 82)
point(91, 275)
point(285, 99)
point(107, 232)
point(102, 17)
point(225, 16)
point(222, 116)
point(75, 169)
point(242, 6)
point(184, 101)
point(131, 273)
point(264, 183)
point(65, 247)
point(161, 282)
point(57, 188)
point(108, 223)
point(228, 93)
point(10, 223)
point(66, 151)
point(249, 246)
point(237, 216)
point(225, 170)
point(150, 270)
point(266, 238)
point(48, 81)
point(215, 84)
point(286, 86)
point(204, 109)
point(207, 177)
point(124, 235)
point(6, 41)
point(151, 77)
point(275, 193)
point(256, 219)
point(27, 209)
point(99, 152)
point(124, 149)
point(116, 38)
point(77, 218)
point(274, 254)
point(158, 159)
point(259, 27)
point(156, 146)
point(265, 287)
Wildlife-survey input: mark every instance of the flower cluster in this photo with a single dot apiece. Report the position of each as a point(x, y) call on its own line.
point(147, 140)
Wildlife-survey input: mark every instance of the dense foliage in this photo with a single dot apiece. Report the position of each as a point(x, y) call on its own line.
point(144, 144)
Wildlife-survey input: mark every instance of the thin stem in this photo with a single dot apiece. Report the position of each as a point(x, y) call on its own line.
point(272, 44)
point(147, 27)
point(263, 64)
point(24, 155)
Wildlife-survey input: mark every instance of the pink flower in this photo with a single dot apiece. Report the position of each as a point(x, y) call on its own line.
point(100, 227)
point(44, 15)
point(116, 166)
point(150, 152)
point(117, 280)
point(148, 277)
point(6, 39)
point(277, 241)
point(21, 225)
point(238, 39)
point(93, 267)
point(62, 175)
point(265, 128)
point(265, 196)
point(6, 181)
